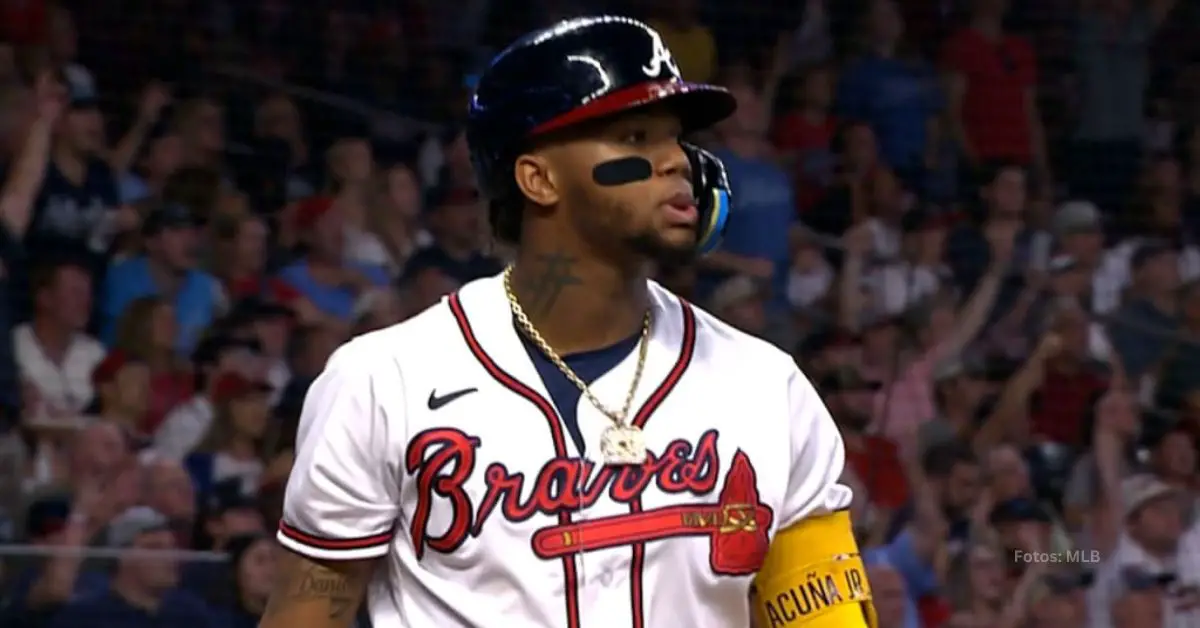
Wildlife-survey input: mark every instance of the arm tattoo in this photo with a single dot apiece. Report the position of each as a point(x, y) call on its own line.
point(543, 286)
point(311, 583)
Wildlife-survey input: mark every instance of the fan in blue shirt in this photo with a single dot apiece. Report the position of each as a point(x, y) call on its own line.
point(323, 276)
point(761, 224)
point(914, 575)
point(168, 269)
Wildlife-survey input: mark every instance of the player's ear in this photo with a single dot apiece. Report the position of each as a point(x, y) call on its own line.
point(536, 179)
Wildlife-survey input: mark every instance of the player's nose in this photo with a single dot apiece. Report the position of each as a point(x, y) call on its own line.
point(675, 162)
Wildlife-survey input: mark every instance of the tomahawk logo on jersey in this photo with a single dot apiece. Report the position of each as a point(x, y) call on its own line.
point(434, 444)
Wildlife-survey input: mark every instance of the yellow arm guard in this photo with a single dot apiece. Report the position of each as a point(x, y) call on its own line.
point(813, 576)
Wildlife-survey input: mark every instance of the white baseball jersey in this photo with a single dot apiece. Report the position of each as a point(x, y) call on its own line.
point(434, 444)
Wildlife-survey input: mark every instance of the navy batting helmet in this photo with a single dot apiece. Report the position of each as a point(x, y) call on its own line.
point(577, 70)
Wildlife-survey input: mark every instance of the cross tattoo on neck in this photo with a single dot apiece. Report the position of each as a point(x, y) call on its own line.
point(543, 288)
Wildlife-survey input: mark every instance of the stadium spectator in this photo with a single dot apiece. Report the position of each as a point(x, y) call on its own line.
point(811, 275)
point(146, 331)
point(200, 124)
point(456, 220)
point(122, 385)
point(240, 257)
point(38, 593)
point(1111, 60)
point(312, 347)
point(873, 460)
point(940, 329)
point(377, 311)
point(893, 603)
point(252, 563)
point(322, 276)
point(352, 181)
point(1162, 209)
point(1063, 605)
point(231, 511)
point(757, 237)
point(151, 152)
point(268, 324)
point(1177, 376)
point(1158, 551)
point(915, 271)
point(952, 471)
point(62, 41)
point(1171, 457)
point(1139, 607)
point(54, 355)
point(1003, 194)
point(992, 101)
point(1049, 396)
point(277, 122)
point(143, 589)
point(77, 207)
point(169, 491)
point(33, 116)
point(856, 155)
point(1143, 326)
point(395, 214)
point(184, 427)
point(422, 287)
point(228, 514)
point(740, 302)
point(958, 397)
point(166, 268)
point(231, 447)
point(1110, 434)
point(895, 92)
point(804, 134)
point(1078, 233)
point(978, 585)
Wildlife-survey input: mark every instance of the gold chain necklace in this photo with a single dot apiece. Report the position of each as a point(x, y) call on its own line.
point(621, 443)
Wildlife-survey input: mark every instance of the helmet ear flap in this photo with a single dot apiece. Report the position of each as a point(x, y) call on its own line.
point(712, 222)
point(710, 184)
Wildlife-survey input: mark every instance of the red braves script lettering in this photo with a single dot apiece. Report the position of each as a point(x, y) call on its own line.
point(443, 459)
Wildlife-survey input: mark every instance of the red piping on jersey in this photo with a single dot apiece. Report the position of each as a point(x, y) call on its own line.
point(637, 565)
point(304, 538)
point(570, 577)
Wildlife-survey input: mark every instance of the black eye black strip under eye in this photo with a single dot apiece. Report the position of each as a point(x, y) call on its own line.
point(622, 171)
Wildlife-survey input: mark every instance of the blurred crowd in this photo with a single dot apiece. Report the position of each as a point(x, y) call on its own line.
point(975, 224)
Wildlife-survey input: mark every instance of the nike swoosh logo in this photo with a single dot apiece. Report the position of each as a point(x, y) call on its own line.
point(437, 402)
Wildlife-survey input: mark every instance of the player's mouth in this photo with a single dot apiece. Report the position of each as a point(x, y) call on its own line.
point(681, 210)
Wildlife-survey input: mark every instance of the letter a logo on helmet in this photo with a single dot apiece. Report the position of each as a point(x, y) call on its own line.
point(660, 59)
point(576, 70)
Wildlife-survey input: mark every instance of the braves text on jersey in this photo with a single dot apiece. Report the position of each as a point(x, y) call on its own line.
point(434, 443)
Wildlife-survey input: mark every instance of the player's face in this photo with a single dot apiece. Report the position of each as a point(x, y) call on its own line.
point(653, 215)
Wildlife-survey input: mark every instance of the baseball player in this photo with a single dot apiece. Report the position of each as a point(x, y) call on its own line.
point(568, 444)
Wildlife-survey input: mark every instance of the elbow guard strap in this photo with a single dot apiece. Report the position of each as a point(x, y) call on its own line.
point(814, 577)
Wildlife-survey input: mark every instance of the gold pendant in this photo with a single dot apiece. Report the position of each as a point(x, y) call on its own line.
point(623, 445)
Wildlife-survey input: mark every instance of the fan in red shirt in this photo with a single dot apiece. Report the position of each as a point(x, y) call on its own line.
point(804, 135)
point(1057, 386)
point(240, 260)
point(1071, 381)
point(873, 459)
point(992, 94)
